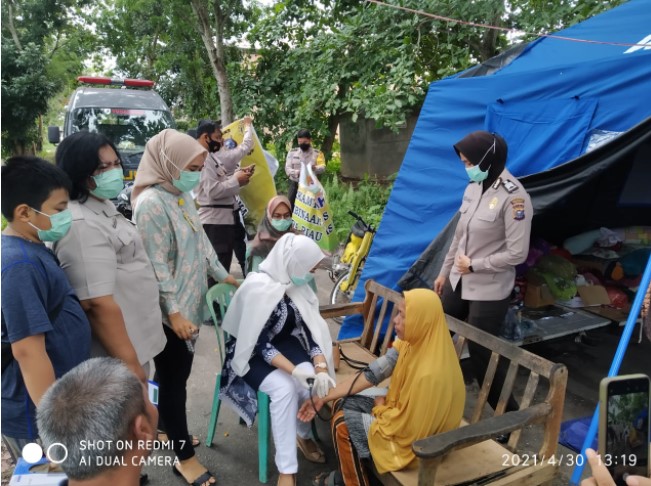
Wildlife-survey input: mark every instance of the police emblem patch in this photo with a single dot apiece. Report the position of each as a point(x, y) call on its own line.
point(517, 205)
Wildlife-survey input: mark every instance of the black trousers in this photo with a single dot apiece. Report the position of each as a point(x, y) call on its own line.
point(487, 315)
point(226, 239)
point(173, 367)
point(291, 192)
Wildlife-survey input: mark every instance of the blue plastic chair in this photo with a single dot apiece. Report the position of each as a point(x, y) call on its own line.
point(222, 295)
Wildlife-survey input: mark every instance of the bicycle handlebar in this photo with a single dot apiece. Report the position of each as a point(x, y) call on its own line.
point(359, 218)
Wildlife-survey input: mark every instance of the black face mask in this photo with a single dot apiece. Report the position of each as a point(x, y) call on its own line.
point(304, 146)
point(213, 146)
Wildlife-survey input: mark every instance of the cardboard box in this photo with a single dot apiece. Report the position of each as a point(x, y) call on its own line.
point(538, 295)
point(593, 295)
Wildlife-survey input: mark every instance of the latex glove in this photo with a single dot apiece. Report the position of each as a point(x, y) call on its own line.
point(322, 384)
point(303, 375)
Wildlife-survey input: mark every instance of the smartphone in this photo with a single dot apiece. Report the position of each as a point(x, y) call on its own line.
point(624, 426)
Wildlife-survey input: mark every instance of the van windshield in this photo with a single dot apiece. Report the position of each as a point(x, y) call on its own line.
point(129, 129)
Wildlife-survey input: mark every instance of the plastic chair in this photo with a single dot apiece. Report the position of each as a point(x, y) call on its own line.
point(222, 295)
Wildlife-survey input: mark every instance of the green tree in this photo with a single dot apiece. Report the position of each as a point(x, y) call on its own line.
point(318, 62)
point(42, 50)
point(180, 45)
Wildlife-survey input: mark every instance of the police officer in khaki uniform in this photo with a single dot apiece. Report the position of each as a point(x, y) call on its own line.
point(303, 154)
point(491, 238)
point(220, 184)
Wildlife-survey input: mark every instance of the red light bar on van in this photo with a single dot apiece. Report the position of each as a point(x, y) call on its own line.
point(136, 83)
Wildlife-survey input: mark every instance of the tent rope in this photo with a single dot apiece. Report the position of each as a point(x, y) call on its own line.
point(503, 29)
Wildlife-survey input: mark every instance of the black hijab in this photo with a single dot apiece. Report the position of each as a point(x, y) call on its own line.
point(489, 150)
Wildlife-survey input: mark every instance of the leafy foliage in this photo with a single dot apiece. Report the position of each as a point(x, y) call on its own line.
point(42, 51)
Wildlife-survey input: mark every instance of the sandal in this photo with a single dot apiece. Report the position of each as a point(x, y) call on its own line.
point(311, 450)
point(326, 478)
point(202, 480)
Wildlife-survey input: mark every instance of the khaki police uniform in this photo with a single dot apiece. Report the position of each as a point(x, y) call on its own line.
point(296, 157)
point(493, 231)
point(103, 255)
point(219, 187)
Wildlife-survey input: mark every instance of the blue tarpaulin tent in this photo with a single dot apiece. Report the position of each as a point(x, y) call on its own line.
point(547, 100)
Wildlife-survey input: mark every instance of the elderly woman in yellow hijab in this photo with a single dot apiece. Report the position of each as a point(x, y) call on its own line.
point(182, 258)
point(426, 396)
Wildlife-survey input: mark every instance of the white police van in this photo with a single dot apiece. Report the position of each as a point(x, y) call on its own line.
point(129, 116)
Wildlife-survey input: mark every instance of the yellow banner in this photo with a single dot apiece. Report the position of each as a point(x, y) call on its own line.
point(261, 187)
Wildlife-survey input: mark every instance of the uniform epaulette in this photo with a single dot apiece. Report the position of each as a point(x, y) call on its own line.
point(509, 186)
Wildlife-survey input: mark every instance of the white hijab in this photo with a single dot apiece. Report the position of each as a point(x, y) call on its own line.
point(252, 305)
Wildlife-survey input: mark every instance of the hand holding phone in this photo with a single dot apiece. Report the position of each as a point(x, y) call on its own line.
point(624, 426)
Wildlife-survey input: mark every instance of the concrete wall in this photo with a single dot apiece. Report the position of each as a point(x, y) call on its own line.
point(377, 152)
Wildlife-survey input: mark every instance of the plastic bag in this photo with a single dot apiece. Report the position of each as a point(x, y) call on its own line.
point(312, 215)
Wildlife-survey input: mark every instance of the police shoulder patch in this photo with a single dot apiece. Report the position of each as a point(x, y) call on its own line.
point(509, 185)
point(517, 207)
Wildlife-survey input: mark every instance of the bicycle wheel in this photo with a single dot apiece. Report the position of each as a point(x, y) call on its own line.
point(338, 296)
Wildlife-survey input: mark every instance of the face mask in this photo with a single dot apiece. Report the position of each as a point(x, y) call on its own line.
point(187, 181)
point(298, 281)
point(213, 146)
point(476, 174)
point(281, 224)
point(304, 146)
point(109, 184)
point(60, 222)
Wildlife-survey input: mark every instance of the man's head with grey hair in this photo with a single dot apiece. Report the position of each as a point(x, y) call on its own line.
point(99, 411)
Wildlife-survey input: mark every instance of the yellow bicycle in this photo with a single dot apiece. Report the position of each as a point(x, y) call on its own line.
point(346, 270)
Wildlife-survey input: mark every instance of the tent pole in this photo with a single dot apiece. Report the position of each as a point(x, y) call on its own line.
point(614, 367)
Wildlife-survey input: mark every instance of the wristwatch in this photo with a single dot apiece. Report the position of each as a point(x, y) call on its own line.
point(470, 267)
point(322, 366)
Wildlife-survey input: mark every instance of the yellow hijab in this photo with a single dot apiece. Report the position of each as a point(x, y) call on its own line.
point(427, 393)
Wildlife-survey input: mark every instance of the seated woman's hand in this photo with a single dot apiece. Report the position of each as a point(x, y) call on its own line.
point(308, 410)
point(379, 401)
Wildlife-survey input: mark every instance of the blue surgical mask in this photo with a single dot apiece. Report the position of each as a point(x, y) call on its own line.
point(476, 174)
point(298, 281)
point(187, 181)
point(109, 184)
point(60, 225)
point(281, 224)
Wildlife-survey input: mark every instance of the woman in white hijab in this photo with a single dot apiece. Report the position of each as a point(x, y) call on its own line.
point(182, 258)
point(281, 346)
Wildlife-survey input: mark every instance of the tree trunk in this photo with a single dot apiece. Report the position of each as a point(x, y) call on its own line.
point(39, 138)
point(328, 142)
point(488, 46)
point(333, 124)
point(216, 53)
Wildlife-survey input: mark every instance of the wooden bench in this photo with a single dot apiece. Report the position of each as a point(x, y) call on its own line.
point(469, 455)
